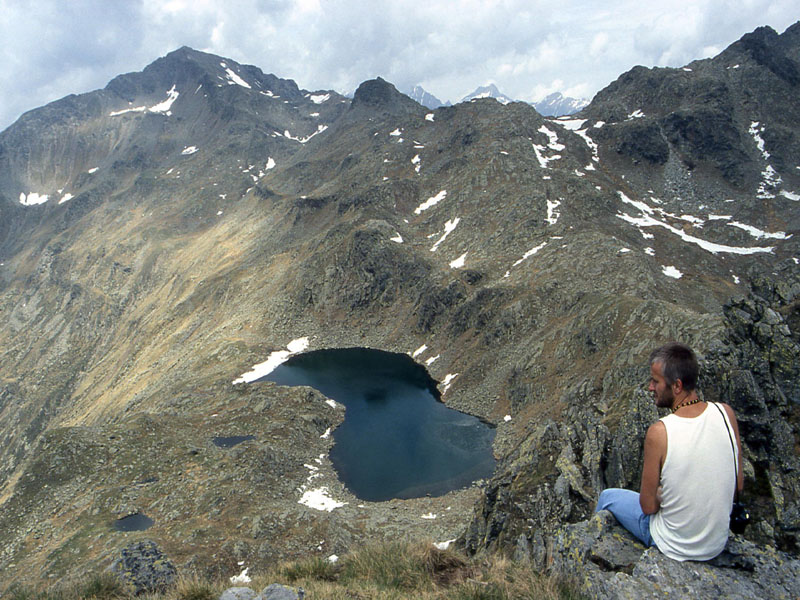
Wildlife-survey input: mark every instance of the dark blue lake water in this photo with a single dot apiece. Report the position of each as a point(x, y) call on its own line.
point(135, 522)
point(231, 441)
point(397, 440)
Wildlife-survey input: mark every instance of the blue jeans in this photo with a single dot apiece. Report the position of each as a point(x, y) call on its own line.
point(624, 505)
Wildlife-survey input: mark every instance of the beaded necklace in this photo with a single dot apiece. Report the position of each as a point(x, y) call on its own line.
point(695, 401)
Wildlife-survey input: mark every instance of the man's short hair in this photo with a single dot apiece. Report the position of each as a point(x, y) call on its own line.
point(678, 362)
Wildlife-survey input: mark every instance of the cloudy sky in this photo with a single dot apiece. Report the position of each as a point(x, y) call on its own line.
point(529, 48)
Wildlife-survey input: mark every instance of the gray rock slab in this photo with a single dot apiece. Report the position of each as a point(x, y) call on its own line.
point(609, 563)
point(276, 591)
point(238, 593)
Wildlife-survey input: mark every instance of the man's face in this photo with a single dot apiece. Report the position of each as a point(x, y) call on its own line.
point(662, 392)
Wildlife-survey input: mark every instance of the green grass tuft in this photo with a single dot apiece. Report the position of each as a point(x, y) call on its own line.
point(390, 571)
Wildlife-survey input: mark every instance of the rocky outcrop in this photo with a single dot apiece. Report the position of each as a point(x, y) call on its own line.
point(608, 563)
point(752, 363)
point(144, 568)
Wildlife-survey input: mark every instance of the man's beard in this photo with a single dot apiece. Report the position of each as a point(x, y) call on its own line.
point(664, 400)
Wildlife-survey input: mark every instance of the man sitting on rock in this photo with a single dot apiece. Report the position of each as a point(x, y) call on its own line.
point(688, 478)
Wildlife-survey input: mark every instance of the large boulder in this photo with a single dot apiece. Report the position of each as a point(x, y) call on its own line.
point(608, 563)
point(144, 568)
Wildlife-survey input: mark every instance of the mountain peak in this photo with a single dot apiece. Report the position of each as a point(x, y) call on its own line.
point(380, 94)
point(488, 91)
point(421, 96)
point(187, 67)
point(558, 105)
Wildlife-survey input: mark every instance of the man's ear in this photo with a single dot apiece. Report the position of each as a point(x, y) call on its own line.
point(677, 386)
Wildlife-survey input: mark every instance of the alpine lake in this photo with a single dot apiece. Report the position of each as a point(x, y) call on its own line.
point(398, 440)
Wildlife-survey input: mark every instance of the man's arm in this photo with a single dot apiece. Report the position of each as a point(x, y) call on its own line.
point(735, 425)
point(655, 450)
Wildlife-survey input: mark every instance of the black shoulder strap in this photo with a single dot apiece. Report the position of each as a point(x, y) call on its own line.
point(733, 450)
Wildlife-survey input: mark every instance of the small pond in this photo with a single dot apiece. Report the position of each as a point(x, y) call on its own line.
point(135, 522)
point(231, 441)
point(397, 440)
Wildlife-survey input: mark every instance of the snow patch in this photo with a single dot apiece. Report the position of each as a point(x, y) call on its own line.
point(164, 107)
point(320, 129)
point(189, 150)
point(234, 79)
point(571, 124)
point(671, 271)
point(459, 262)
point(790, 195)
point(270, 164)
point(444, 545)
point(419, 351)
point(637, 114)
point(449, 226)
point(756, 129)
point(397, 238)
point(552, 213)
point(770, 180)
point(66, 197)
point(32, 198)
point(93, 170)
point(429, 117)
point(648, 220)
point(428, 516)
point(448, 380)
point(432, 201)
point(274, 360)
point(319, 98)
point(320, 499)
point(553, 143)
point(116, 113)
point(530, 253)
point(544, 160)
point(758, 233)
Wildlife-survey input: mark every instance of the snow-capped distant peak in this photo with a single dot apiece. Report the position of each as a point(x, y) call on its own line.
point(558, 105)
point(421, 96)
point(488, 91)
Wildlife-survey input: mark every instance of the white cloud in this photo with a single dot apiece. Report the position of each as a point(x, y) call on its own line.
point(528, 47)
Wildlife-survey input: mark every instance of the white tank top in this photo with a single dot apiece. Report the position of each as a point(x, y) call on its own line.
point(697, 482)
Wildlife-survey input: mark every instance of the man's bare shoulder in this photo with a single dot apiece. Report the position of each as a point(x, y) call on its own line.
point(656, 433)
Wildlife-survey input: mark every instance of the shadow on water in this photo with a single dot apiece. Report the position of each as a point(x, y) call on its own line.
point(398, 440)
point(135, 522)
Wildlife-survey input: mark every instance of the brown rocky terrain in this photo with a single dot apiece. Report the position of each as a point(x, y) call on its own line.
point(202, 214)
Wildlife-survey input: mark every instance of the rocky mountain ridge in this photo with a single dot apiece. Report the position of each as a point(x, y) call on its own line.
point(200, 215)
